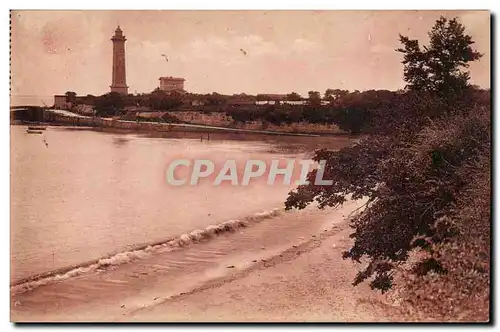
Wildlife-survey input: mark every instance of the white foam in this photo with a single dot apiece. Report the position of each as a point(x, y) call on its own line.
point(129, 256)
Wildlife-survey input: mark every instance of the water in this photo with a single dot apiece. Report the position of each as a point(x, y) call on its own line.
point(78, 195)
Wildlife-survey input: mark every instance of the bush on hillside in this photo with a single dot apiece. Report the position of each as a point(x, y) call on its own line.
point(425, 170)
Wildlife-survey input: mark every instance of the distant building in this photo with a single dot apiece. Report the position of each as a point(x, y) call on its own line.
point(265, 102)
point(240, 102)
point(170, 84)
point(282, 102)
point(273, 96)
point(294, 102)
point(276, 99)
point(197, 102)
point(67, 102)
point(61, 102)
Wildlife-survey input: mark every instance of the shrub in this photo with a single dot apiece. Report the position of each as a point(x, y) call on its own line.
point(425, 170)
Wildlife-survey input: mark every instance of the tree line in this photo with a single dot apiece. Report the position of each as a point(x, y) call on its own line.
point(351, 111)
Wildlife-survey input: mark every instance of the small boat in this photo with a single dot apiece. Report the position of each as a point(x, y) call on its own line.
point(34, 131)
point(36, 128)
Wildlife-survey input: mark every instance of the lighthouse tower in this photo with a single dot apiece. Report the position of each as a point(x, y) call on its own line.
point(119, 82)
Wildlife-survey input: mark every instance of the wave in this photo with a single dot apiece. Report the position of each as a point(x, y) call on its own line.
point(140, 252)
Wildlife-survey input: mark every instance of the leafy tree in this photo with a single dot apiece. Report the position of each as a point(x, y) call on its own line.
point(109, 104)
point(439, 66)
point(294, 96)
point(314, 98)
point(261, 97)
point(328, 95)
point(316, 114)
point(215, 99)
point(415, 172)
point(353, 120)
point(70, 96)
point(161, 100)
point(334, 94)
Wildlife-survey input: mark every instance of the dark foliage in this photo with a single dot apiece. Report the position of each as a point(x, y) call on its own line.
point(437, 67)
point(425, 173)
point(352, 112)
point(70, 96)
point(162, 101)
point(314, 98)
point(109, 104)
point(294, 96)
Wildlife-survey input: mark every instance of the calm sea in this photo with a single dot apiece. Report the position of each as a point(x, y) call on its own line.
point(78, 195)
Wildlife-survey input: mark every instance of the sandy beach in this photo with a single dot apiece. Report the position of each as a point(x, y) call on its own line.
point(286, 268)
point(310, 283)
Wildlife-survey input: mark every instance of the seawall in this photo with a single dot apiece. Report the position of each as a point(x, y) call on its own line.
point(73, 119)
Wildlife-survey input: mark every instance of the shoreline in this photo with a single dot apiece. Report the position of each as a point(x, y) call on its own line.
point(65, 118)
point(135, 250)
point(309, 282)
point(294, 250)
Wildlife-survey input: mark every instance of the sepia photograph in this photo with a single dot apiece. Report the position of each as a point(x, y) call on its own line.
point(257, 166)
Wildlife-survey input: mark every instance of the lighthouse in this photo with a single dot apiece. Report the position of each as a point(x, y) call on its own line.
point(118, 81)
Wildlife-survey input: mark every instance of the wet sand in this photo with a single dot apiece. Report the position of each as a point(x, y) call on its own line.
point(288, 268)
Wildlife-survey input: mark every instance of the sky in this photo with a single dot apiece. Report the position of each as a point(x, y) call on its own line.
point(57, 51)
